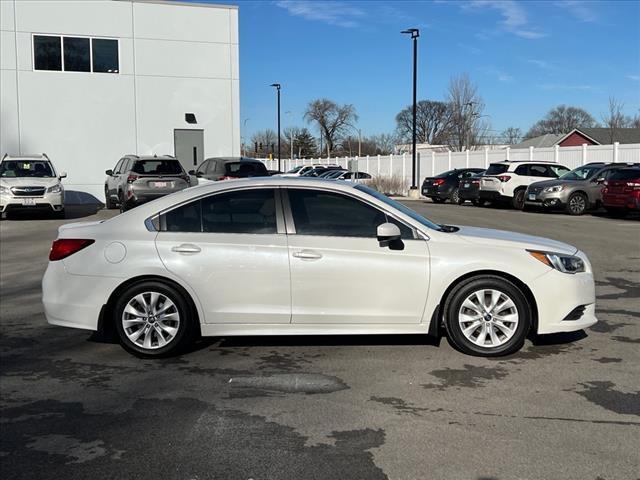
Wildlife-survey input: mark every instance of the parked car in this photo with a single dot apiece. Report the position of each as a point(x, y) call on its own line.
point(507, 181)
point(445, 186)
point(30, 182)
point(251, 257)
point(138, 179)
point(317, 171)
point(346, 175)
point(469, 187)
point(229, 168)
point(576, 191)
point(621, 193)
point(302, 169)
point(331, 174)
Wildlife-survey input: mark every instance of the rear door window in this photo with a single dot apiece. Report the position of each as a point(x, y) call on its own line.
point(522, 170)
point(244, 211)
point(625, 174)
point(539, 171)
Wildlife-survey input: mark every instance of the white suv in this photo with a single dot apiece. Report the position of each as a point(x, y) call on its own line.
point(302, 169)
point(30, 182)
point(508, 180)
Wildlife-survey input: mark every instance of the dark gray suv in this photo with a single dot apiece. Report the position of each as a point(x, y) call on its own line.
point(228, 168)
point(576, 191)
point(136, 180)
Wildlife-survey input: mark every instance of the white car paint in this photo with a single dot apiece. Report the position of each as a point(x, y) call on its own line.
point(285, 283)
point(507, 189)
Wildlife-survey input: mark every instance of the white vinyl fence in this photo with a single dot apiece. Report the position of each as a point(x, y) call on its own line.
point(432, 163)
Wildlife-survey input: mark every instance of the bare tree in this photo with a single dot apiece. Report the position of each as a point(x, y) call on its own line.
point(466, 108)
point(561, 119)
point(433, 120)
point(385, 143)
point(263, 142)
point(332, 119)
point(511, 135)
point(614, 119)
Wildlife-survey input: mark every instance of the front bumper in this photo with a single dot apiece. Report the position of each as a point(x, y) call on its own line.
point(546, 199)
point(558, 295)
point(49, 201)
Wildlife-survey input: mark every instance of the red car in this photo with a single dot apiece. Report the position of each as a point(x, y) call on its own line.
point(621, 192)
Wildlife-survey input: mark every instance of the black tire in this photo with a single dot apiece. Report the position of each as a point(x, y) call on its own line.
point(455, 197)
point(578, 204)
point(122, 202)
point(616, 212)
point(109, 204)
point(453, 306)
point(186, 329)
point(518, 199)
point(438, 200)
point(62, 214)
point(477, 203)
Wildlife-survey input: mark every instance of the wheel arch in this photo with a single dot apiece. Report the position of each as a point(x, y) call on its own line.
point(438, 313)
point(106, 326)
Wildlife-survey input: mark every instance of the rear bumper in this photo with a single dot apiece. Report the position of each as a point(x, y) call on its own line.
point(436, 192)
point(492, 195)
point(621, 201)
point(74, 300)
point(468, 194)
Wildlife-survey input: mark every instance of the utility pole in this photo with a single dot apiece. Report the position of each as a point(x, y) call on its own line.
point(415, 33)
point(277, 87)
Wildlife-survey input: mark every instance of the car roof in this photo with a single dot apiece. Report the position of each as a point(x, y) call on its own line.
point(152, 157)
point(233, 159)
point(36, 156)
point(527, 161)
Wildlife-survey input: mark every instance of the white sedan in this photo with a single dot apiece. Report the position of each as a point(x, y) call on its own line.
point(266, 256)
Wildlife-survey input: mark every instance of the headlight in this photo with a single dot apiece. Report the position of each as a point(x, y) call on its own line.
point(4, 189)
point(559, 261)
point(55, 189)
point(555, 189)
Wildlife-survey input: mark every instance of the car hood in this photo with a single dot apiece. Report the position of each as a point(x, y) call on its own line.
point(29, 181)
point(553, 183)
point(488, 236)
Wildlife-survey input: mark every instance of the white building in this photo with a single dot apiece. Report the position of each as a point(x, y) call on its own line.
point(88, 81)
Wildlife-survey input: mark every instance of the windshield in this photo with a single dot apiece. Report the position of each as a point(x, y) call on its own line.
point(400, 207)
point(295, 169)
point(157, 167)
point(581, 173)
point(496, 169)
point(26, 168)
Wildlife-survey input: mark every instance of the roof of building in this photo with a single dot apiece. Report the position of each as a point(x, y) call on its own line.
point(546, 140)
point(193, 3)
point(600, 136)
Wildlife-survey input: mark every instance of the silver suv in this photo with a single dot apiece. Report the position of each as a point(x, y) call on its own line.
point(30, 182)
point(136, 180)
point(576, 191)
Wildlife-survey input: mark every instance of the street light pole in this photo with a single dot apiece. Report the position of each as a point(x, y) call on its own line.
point(415, 33)
point(277, 87)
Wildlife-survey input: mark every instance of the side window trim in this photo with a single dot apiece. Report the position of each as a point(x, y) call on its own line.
point(290, 223)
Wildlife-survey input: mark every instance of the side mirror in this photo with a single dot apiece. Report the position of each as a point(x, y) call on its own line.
point(109, 172)
point(62, 175)
point(389, 235)
point(600, 180)
point(199, 174)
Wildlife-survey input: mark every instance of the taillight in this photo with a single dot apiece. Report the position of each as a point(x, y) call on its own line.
point(475, 181)
point(504, 178)
point(438, 181)
point(634, 185)
point(132, 178)
point(63, 247)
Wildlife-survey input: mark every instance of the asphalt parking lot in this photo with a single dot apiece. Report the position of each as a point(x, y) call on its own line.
point(374, 407)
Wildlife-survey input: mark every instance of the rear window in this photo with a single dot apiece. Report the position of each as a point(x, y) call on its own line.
point(496, 169)
point(630, 174)
point(157, 167)
point(245, 169)
point(25, 168)
point(445, 174)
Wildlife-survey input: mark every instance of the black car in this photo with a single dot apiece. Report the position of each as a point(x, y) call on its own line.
point(227, 168)
point(469, 187)
point(445, 186)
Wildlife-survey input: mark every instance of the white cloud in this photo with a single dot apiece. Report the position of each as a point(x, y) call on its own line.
point(341, 14)
point(542, 64)
point(578, 9)
point(499, 74)
point(557, 86)
point(514, 17)
point(635, 78)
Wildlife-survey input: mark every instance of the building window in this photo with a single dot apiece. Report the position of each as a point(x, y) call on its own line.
point(105, 55)
point(76, 54)
point(47, 53)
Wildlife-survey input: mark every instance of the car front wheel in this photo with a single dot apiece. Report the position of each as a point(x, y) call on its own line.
point(487, 316)
point(153, 319)
point(578, 204)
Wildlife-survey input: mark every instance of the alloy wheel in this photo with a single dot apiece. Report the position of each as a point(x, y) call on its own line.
point(577, 204)
point(488, 318)
point(150, 320)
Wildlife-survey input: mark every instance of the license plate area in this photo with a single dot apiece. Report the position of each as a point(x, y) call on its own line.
point(28, 201)
point(160, 184)
point(532, 196)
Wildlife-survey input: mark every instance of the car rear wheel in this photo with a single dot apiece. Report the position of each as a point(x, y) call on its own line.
point(153, 319)
point(487, 316)
point(455, 197)
point(109, 204)
point(578, 204)
point(518, 199)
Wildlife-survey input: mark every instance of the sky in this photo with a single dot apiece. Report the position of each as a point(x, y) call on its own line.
point(525, 57)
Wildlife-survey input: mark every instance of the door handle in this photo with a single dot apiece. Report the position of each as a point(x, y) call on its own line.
point(307, 255)
point(186, 248)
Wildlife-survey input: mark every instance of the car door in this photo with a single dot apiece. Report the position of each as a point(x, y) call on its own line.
point(339, 272)
point(112, 189)
point(231, 249)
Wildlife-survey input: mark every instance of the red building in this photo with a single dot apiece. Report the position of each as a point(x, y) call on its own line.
point(580, 136)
